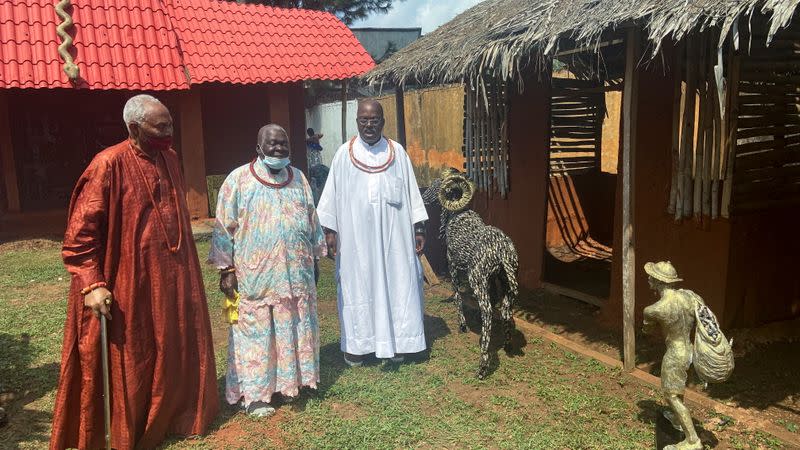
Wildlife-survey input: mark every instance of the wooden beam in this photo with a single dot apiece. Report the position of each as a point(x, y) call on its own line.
point(573, 294)
point(399, 102)
point(297, 125)
point(629, 98)
point(592, 48)
point(7, 155)
point(279, 105)
point(193, 154)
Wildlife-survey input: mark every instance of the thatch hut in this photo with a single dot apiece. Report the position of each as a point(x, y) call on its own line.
point(709, 144)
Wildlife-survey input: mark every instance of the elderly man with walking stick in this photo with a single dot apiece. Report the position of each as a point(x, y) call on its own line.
point(134, 266)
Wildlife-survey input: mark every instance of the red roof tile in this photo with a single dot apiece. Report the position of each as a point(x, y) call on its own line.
point(143, 45)
point(234, 43)
point(118, 44)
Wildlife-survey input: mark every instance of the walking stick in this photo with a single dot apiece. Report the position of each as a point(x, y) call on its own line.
point(106, 394)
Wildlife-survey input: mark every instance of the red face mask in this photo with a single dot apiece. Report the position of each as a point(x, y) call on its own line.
point(155, 143)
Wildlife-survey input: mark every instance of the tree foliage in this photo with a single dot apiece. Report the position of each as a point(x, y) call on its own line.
point(347, 10)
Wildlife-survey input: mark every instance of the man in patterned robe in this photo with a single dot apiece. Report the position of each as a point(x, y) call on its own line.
point(266, 243)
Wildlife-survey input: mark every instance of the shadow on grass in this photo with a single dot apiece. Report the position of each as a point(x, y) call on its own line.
point(20, 385)
point(651, 413)
point(517, 344)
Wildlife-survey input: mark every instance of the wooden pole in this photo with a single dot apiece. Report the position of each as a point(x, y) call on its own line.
point(731, 140)
point(702, 120)
point(400, 114)
point(677, 113)
point(193, 154)
point(629, 98)
point(344, 111)
point(7, 154)
point(468, 132)
point(687, 134)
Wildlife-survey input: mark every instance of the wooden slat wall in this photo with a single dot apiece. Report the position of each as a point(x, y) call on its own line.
point(767, 158)
point(577, 108)
point(486, 145)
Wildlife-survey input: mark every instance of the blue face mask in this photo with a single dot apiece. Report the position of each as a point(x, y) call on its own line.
point(275, 163)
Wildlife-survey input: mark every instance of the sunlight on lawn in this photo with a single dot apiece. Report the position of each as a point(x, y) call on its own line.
point(544, 398)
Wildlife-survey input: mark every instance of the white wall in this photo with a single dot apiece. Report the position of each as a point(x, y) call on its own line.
point(327, 119)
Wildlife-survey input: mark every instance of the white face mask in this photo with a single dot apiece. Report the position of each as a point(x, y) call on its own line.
point(275, 163)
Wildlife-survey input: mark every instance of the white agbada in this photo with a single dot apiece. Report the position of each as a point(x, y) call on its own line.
point(378, 271)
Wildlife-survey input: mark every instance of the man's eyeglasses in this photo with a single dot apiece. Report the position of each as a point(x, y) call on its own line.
point(365, 122)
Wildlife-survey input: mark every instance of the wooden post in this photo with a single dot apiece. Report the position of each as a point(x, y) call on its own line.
point(297, 126)
point(7, 155)
point(400, 114)
point(677, 114)
point(193, 154)
point(344, 111)
point(731, 141)
point(629, 98)
point(279, 105)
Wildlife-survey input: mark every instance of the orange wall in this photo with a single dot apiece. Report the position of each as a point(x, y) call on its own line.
point(434, 128)
point(522, 214)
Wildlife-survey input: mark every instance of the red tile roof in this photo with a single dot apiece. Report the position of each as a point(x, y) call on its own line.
point(144, 45)
point(234, 43)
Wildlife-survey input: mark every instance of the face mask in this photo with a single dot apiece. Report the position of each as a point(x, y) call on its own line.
point(156, 143)
point(275, 163)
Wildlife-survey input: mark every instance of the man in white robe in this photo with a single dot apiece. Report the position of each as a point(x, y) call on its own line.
point(373, 215)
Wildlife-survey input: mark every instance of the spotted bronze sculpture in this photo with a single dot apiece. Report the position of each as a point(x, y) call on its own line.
point(482, 259)
point(678, 312)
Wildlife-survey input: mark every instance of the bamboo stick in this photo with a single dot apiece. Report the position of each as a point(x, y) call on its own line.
point(755, 110)
point(767, 131)
point(697, 185)
point(766, 120)
point(495, 147)
point(677, 113)
point(788, 155)
point(733, 107)
point(712, 105)
point(476, 140)
point(715, 156)
point(468, 131)
point(484, 143)
point(687, 133)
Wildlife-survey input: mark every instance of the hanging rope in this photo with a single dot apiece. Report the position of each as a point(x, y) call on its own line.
point(70, 68)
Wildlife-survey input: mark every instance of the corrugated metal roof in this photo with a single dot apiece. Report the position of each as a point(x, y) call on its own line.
point(144, 45)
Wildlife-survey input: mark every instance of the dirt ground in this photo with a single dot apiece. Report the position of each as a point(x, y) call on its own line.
point(766, 380)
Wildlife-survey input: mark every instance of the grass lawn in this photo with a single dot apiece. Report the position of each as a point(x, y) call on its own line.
point(542, 397)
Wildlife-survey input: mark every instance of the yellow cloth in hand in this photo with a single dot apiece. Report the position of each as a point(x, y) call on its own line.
point(231, 308)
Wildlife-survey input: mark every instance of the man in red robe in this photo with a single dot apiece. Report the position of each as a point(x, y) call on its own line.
point(129, 248)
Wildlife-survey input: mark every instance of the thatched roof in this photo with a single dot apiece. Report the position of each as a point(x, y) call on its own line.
point(500, 38)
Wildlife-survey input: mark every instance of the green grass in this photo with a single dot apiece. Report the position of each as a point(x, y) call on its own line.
point(545, 398)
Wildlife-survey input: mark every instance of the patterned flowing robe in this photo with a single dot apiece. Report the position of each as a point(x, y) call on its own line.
point(161, 359)
point(271, 236)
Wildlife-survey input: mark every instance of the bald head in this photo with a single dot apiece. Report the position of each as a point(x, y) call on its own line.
point(272, 127)
point(370, 104)
point(273, 141)
point(370, 121)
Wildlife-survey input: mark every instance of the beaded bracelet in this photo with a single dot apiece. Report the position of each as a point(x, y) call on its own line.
point(92, 287)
